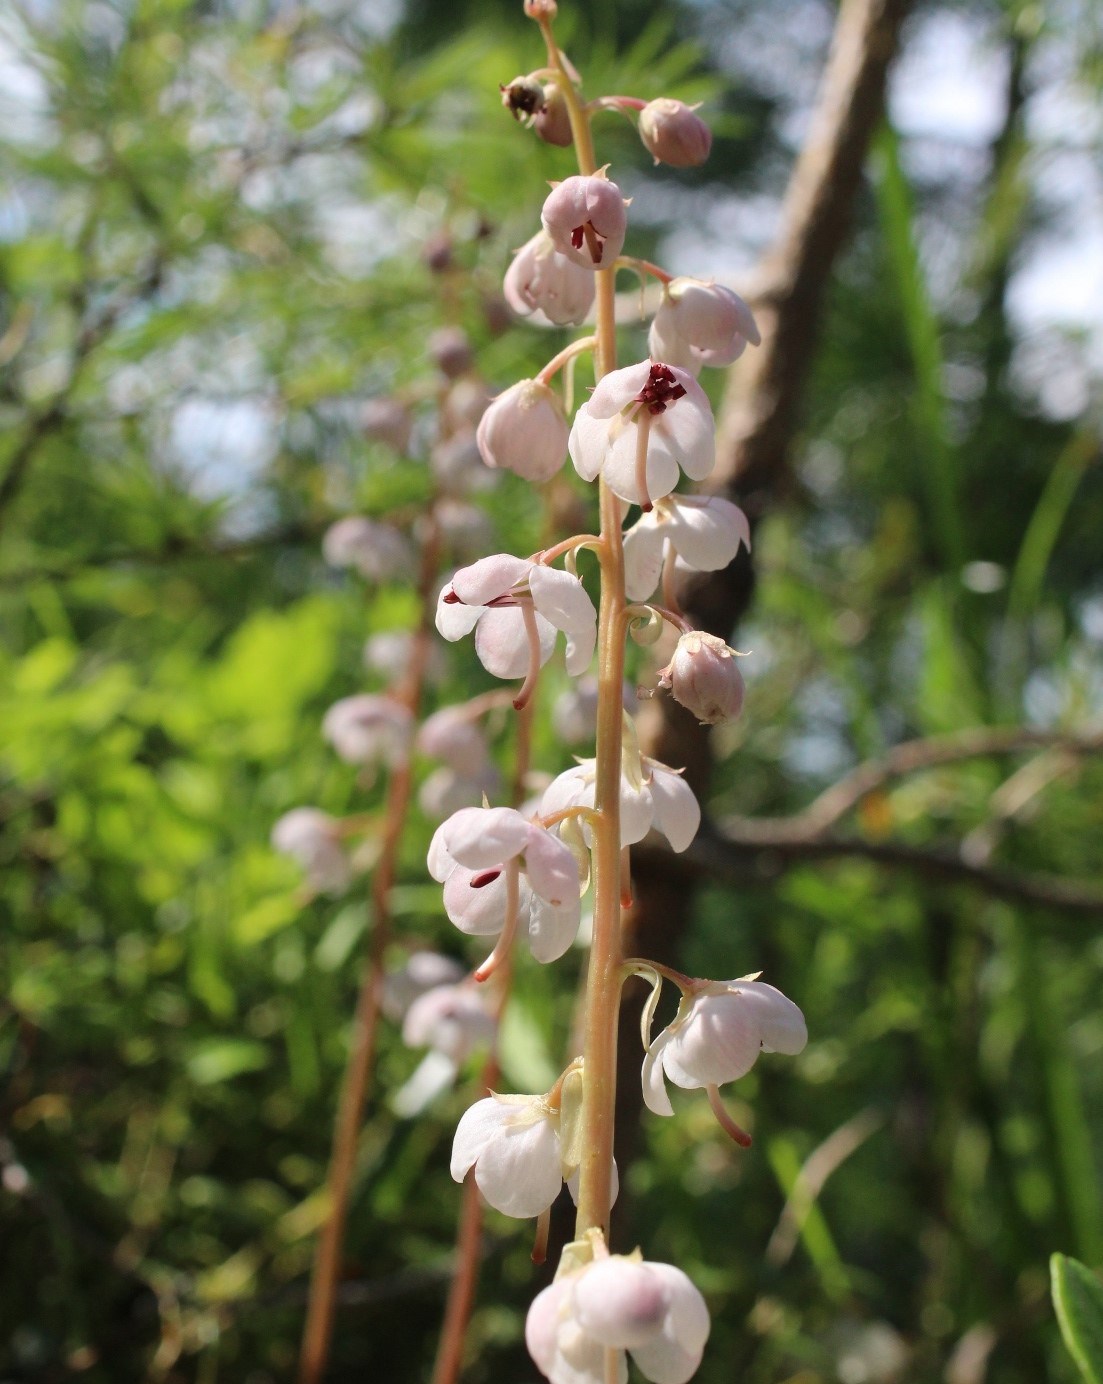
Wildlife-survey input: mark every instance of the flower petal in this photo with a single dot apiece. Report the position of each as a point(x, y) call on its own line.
point(453, 619)
point(518, 1170)
point(482, 837)
point(551, 867)
point(781, 1025)
point(677, 811)
point(655, 1095)
point(489, 578)
point(552, 930)
point(479, 1124)
point(502, 644)
point(643, 556)
point(707, 531)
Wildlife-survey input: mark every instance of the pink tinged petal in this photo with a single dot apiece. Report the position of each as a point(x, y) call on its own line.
point(502, 643)
point(561, 598)
point(453, 620)
point(479, 1124)
point(568, 789)
point(643, 556)
point(552, 930)
point(781, 1025)
point(718, 1041)
point(476, 904)
point(655, 1095)
point(542, 1324)
point(707, 532)
point(588, 443)
point(518, 1171)
point(482, 837)
point(440, 860)
point(552, 869)
point(617, 390)
point(665, 343)
point(677, 811)
point(620, 1303)
point(489, 578)
point(620, 469)
point(524, 431)
point(673, 1356)
point(636, 812)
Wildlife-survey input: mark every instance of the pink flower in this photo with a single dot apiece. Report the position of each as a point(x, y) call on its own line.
point(641, 428)
point(701, 323)
point(541, 279)
point(584, 217)
point(524, 431)
point(484, 839)
point(673, 134)
point(313, 839)
point(704, 531)
point(377, 551)
point(703, 677)
point(719, 1030)
point(515, 606)
point(619, 1303)
point(368, 729)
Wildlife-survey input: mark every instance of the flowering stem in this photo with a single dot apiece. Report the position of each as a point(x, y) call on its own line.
point(557, 362)
point(616, 103)
point(643, 267)
point(569, 545)
point(322, 1302)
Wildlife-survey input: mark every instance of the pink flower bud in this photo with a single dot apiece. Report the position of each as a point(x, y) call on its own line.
point(387, 420)
point(673, 134)
point(541, 9)
point(540, 279)
point(524, 431)
point(450, 351)
point(585, 218)
point(551, 122)
point(700, 323)
point(703, 677)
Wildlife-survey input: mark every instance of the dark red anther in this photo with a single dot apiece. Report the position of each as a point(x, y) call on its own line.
point(485, 877)
point(451, 598)
point(578, 235)
point(661, 389)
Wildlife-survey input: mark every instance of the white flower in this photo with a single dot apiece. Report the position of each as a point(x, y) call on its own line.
point(719, 1030)
point(514, 1145)
point(652, 796)
point(515, 606)
point(540, 279)
point(377, 551)
point(702, 676)
point(641, 428)
point(585, 219)
point(701, 323)
point(618, 1303)
point(524, 431)
point(452, 1021)
point(313, 839)
point(468, 855)
point(705, 532)
point(368, 729)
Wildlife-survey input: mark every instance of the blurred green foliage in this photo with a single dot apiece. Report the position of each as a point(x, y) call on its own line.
point(210, 257)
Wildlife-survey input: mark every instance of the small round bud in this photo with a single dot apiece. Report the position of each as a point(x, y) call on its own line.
point(674, 134)
point(552, 122)
point(584, 216)
point(524, 431)
point(703, 677)
point(388, 421)
point(541, 9)
point(701, 323)
point(451, 351)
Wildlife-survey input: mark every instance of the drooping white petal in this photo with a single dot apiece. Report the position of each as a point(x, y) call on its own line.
point(483, 837)
point(662, 464)
point(433, 1075)
point(781, 1025)
point(518, 1170)
point(440, 860)
point(588, 442)
point(551, 867)
point(562, 599)
point(453, 619)
point(707, 531)
point(480, 912)
point(501, 641)
point(478, 1125)
point(677, 811)
point(655, 1095)
point(643, 556)
point(552, 930)
point(717, 1042)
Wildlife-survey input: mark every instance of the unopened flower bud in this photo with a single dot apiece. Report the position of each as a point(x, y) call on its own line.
point(369, 729)
point(674, 134)
point(387, 420)
point(585, 218)
point(552, 122)
point(524, 431)
point(703, 677)
point(701, 323)
point(541, 9)
point(450, 350)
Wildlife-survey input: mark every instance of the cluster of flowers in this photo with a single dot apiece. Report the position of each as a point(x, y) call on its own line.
point(509, 871)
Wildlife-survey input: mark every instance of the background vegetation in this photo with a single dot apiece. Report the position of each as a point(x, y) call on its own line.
point(211, 220)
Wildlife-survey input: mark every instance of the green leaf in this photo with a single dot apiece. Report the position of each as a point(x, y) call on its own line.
point(1078, 1302)
point(219, 1059)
